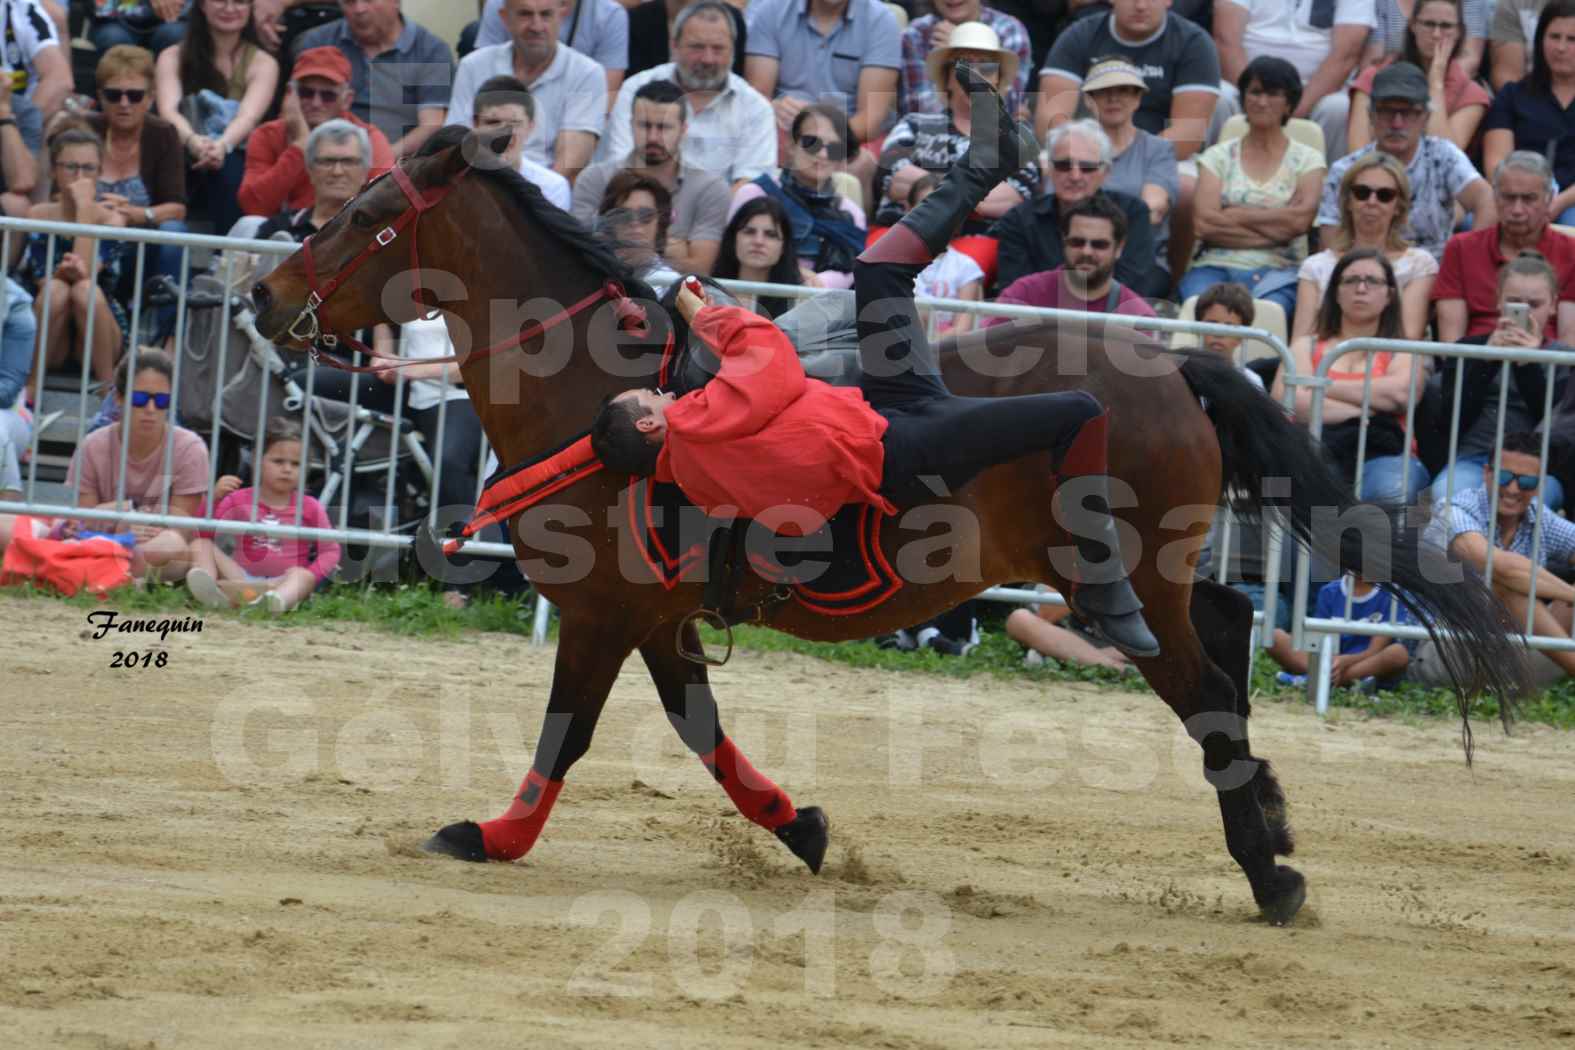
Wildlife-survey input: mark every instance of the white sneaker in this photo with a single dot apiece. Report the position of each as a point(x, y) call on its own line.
point(206, 589)
point(268, 601)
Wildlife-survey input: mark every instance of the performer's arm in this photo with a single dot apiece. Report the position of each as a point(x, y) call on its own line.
point(760, 376)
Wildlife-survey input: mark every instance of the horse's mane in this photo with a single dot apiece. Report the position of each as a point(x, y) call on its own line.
point(595, 250)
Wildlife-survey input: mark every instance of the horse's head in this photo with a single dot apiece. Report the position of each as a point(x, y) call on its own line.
point(363, 267)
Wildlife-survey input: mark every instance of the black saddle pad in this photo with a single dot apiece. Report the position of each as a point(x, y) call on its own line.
point(838, 571)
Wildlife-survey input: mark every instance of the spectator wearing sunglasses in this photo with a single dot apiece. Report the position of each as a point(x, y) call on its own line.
point(659, 121)
point(1375, 200)
point(1504, 517)
point(634, 215)
point(1094, 231)
point(1076, 162)
point(930, 143)
point(1441, 175)
point(827, 228)
point(1466, 292)
point(1257, 195)
point(1527, 294)
point(319, 90)
point(152, 442)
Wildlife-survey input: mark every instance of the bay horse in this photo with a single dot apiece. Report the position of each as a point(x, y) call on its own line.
point(1180, 436)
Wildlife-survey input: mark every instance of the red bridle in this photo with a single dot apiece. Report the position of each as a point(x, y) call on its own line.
point(312, 327)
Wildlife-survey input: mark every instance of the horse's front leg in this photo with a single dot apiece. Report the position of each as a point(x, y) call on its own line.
point(686, 695)
point(1252, 803)
point(590, 652)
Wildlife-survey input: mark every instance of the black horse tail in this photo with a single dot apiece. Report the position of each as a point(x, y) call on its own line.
point(1258, 442)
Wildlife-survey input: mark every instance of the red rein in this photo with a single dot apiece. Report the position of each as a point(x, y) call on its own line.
point(631, 315)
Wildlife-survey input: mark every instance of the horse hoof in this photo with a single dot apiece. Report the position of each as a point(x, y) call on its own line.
point(461, 841)
point(1290, 894)
point(807, 835)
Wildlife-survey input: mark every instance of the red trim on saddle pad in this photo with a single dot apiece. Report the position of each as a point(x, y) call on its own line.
point(855, 541)
point(667, 569)
point(881, 581)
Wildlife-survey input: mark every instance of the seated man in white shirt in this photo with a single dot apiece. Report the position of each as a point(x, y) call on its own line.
point(506, 102)
point(569, 89)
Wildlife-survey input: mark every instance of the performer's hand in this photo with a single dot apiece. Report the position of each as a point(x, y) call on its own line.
point(691, 298)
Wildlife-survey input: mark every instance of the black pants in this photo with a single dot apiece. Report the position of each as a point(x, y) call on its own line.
point(461, 449)
point(932, 431)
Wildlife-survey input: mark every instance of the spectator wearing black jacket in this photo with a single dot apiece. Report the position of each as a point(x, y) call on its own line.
point(1075, 164)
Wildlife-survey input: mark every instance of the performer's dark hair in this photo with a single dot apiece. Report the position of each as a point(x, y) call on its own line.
point(616, 441)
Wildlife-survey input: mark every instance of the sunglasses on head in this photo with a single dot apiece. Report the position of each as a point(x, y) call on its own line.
point(1385, 194)
point(140, 399)
point(1087, 167)
point(1527, 482)
point(114, 95)
point(1099, 244)
point(813, 144)
point(310, 94)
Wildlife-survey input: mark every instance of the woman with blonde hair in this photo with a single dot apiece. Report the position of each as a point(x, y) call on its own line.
point(1375, 203)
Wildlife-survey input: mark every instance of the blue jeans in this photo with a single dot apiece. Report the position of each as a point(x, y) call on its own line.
point(18, 335)
point(1467, 473)
point(105, 33)
point(1384, 479)
point(1280, 283)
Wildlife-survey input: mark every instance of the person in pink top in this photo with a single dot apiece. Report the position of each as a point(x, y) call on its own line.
point(1093, 231)
point(271, 572)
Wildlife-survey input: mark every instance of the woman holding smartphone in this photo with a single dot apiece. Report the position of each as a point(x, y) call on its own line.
point(1528, 296)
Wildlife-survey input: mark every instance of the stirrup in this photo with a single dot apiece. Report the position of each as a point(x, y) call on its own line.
point(709, 618)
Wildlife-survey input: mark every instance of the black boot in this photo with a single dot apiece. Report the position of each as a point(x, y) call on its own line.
point(995, 150)
point(1101, 592)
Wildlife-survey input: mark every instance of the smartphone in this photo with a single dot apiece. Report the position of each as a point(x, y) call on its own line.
point(1519, 313)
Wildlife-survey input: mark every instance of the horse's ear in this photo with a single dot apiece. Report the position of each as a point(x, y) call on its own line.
point(483, 148)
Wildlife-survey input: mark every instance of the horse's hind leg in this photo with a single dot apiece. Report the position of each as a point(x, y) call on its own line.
point(589, 656)
point(1222, 620)
point(1222, 617)
point(686, 695)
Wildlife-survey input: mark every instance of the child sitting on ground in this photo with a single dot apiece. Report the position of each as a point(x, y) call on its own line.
point(1366, 662)
point(270, 572)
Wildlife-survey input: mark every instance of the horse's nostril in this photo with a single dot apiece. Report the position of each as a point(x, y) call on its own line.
point(262, 298)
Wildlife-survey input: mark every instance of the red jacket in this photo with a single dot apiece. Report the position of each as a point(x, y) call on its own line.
point(276, 179)
point(764, 441)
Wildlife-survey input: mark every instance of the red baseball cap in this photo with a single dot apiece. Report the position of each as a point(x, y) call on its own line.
point(327, 62)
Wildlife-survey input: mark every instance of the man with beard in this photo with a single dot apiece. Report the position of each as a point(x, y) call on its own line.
point(731, 130)
point(700, 199)
point(1093, 232)
point(569, 89)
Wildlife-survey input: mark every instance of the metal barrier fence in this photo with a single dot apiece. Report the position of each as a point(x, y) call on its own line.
point(1328, 629)
point(338, 456)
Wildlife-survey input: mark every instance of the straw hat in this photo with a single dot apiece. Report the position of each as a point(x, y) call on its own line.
point(971, 36)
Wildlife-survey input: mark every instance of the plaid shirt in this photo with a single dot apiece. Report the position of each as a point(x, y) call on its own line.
point(1472, 511)
point(916, 91)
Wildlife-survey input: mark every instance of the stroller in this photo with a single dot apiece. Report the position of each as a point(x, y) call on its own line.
point(372, 469)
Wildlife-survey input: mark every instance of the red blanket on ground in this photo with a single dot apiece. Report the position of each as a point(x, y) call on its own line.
point(98, 564)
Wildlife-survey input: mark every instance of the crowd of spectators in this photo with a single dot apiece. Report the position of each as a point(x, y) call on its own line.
point(1371, 167)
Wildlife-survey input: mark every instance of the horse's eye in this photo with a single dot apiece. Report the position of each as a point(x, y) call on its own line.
point(360, 220)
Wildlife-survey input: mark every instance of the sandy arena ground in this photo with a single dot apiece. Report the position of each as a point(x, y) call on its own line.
point(222, 853)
